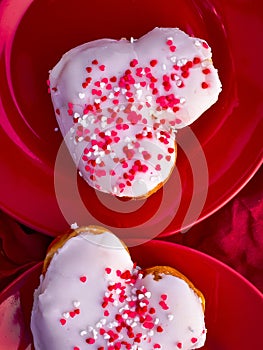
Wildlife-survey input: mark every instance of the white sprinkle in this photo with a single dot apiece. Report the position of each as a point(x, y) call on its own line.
point(106, 336)
point(139, 93)
point(108, 133)
point(140, 276)
point(98, 160)
point(76, 303)
point(164, 66)
point(72, 130)
point(170, 317)
point(123, 91)
point(76, 115)
point(134, 324)
point(111, 95)
point(80, 174)
point(102, 153)
point(182, 100)
point(149, 98)
point(115, 303)
point(170, 38)
point(150, 333)
point(65, 314)
point(97, 100)
point(130, 146)
point(95, 334)
point(137, 85)
point(81, 95)
point(98, 325)
point(131, 39)
point(82, 333)
point(181, 62)
point(81, 138)
point(103, 321)
point(205, 63)
point(179, 82)
point(156, 320)
point(104, 118)
point(142, 304)
point(74, 226)
point(56, 129)
point(197, 43)
point(125, 316)
point(141, 149)
point(102, 85)
point(173, 59)
point(148, 294)
point(116, 89)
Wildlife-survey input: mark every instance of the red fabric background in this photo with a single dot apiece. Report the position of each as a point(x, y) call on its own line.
point(233, 235)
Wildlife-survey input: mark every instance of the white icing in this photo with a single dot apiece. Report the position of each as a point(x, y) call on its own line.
point(80, 126)
point(61, 291)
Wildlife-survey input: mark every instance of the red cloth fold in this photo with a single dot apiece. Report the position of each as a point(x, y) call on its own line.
point(234, 235)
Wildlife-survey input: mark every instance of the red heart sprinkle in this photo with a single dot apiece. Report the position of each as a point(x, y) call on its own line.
point(83, 279)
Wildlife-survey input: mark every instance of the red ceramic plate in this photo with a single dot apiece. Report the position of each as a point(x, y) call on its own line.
point(216, 156)
point(234, 307)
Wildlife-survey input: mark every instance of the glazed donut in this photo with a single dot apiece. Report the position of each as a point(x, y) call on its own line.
point(119, 103)
point(92, 296)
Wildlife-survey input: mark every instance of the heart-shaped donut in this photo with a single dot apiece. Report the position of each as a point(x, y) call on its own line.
point(92, 296)
point(119, 103)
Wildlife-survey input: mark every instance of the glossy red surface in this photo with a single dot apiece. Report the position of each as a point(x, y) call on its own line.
point(225, 144)
point(234, 307)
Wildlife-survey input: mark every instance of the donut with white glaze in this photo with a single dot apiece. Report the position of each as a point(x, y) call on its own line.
point(119, 104)
point(92, 296)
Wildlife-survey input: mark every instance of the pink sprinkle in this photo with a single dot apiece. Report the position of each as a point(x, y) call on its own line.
point(62, 321)
point(204, 85)
point(133, 63)
point(157, 346)
point(196, 60)
point(194, 340)
point(179, 345)
point(206, 71)
point(76, 348)
point(153, 63)
point(102, 67)
point(83, 279)
point(169, 42)
point(163, 305)
point(172, 48)
point(90, 340)
point(170, 150)
point(148, 325)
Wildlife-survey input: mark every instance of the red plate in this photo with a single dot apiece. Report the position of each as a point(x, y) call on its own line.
point(234, 307)
point(216, 157)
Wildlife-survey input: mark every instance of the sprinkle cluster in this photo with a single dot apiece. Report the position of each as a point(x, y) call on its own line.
point(128, 320)
point(117, 105)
